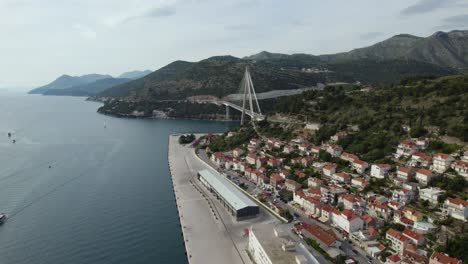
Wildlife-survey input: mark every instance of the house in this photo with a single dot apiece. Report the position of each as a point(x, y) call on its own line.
point(348, 157)
point(341, 177)
point(231, 134)
point(237, 152)
point(334, 150)
point(412, 214)
point(243, 166)
point(461, 167)
point(397, 239)
point(274, 163)
point(414, 237)
point(254, 176)
point(403, 196)
point(247, 172)
point(260, 162)
point(315, 149)
point(411, 257)
point(359, 182)
point(307, 161)
point(431, 194)
point(465, 156)
point(300, 174)
point(442, 258)
point(379, 209)
point(325, 237)
point(359, 165)
point(304, 148)
point(369, 222)
point(276, 180)
point(380, 170)
point(314, 182)
point(288, 148)
point(420, 159)
point(338, 136)
point(405, 173)
point(347, 221)
point(284, 174)
point(347, 200)
point(423, 227)
point(296, 160)
point(292, 185)
point(406, 148)
point(329, 169)
point(251, 158)
point(374, 249)
point(424, 176)
point(422, 142)
point(442, 162)
point(393, 259)
point(263, 180)
point(456, 208)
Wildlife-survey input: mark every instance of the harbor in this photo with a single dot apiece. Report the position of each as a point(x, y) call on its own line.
point(211, 234)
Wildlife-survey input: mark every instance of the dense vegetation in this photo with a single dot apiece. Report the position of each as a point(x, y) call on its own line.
point(378, 115)
point(186, 139)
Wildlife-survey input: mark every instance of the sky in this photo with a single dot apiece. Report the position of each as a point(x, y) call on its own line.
point(43, 39)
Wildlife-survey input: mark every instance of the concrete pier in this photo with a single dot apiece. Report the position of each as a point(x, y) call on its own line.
point(211, 234)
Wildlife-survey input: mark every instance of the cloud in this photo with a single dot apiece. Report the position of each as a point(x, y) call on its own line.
point(85, 31)
point(455, 22)
point(155, 12)
point(370, 35)
point(427, 6)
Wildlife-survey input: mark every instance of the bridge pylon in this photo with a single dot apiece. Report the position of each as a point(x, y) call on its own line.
point(249, 93)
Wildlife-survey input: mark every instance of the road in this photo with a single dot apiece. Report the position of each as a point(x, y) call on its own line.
point(348, 248)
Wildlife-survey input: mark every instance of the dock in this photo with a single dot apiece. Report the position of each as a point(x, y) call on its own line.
point(210, 233)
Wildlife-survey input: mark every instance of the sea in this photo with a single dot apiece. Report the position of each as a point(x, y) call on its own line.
point(81, 187)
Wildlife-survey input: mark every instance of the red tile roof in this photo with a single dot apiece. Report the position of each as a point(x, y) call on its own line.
point(458, 201)
point(444, 258)
point(394, 258)
point(412, 234)
point(326, 237)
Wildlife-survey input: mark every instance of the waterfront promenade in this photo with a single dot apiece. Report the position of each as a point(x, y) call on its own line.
point(210, 234)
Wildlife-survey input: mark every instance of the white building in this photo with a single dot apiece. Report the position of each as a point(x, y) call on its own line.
point(424, 176)
point(456, 208)
point(441, 162)
point(359, 165)
point(431, 194)
point(461, 167)
point(269, 245)
point(380, 170)
point(347, 221)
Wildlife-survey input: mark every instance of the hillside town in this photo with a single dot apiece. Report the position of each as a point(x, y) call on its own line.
point(405, 211)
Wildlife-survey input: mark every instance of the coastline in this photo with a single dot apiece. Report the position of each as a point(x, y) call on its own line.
point(205, 223)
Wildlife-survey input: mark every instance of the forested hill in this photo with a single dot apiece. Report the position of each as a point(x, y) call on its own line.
point(221, 75)
point(423, 103)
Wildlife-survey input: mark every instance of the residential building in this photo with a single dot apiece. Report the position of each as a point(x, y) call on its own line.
point(424, 176)
point(325, 237)
point(442, 162)
point(442, 258)
point(292, 185)
point(284, 173)
point(341, 177)
point(403, 196)
point(329, 169)
point(276, 180)
point(422, 142)
point(406, 148)
point(405, 173)
point(359, 182)
point(397, 239)
point(431, 194)
point(393, 259)
point(348, 157)
point(380, 170)
point(338, 136)
point(314, 182)
point(315, 150)
point(461, 167)
point(274, 163)
point(359, 165)
point(307, 161)
point(260, 162)
point(251, 158)
point(414, 237)
point(334, 150)
point(237, 152)
point(412, 214)
point(420, 159)
point(347, 221)
point(456, 208)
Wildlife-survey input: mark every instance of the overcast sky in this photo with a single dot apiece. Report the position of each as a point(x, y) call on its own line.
point(43, 39)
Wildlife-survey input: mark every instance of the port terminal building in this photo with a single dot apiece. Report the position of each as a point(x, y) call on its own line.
point(236, 202)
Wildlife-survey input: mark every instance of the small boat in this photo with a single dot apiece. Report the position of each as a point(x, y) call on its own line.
point(9, 134)
point(3, 218)
point(14, 141)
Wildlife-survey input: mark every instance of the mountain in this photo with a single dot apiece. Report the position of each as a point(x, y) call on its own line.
point(67, 81)
point(88, 89)
point(446, 49)
point(134, 74)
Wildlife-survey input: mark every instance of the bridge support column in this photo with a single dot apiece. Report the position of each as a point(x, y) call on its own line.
point(227, 112)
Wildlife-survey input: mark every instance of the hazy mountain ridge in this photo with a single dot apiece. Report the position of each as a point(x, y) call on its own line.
point(86, 85)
